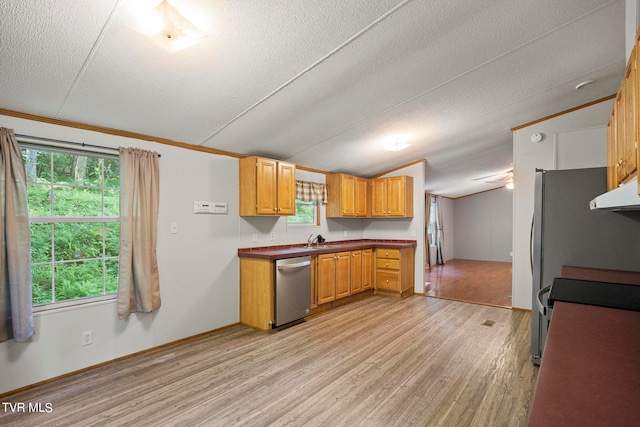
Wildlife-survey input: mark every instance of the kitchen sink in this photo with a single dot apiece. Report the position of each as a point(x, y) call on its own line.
point(322, 247)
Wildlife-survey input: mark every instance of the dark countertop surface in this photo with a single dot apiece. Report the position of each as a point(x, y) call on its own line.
point(290, 251)
point(589, 374)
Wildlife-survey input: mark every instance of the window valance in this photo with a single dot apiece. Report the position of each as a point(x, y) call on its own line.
point(311, 191)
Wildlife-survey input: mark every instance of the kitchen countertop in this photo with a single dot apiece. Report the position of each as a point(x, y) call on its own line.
point(273, 253)
point(589, 374)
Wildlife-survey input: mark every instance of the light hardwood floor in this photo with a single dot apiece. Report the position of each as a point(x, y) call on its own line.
point(376, 362)
point(479, 282)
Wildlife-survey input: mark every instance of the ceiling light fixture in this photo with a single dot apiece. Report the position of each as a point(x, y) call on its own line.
point(509, 183)
point(165, 25)
point(396, 143)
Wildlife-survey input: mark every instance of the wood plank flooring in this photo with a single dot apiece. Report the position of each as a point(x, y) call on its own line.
point(478, 282)
point(376, 362)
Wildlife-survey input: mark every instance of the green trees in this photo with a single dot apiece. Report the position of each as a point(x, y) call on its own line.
point(74, 215)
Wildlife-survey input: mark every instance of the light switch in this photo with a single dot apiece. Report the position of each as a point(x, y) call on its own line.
point(273, 236)
point(174, 228)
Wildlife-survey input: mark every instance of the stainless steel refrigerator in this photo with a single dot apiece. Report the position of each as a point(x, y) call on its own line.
point(565, 231)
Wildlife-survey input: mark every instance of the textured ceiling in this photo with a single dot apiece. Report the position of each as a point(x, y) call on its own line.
point(320, 83)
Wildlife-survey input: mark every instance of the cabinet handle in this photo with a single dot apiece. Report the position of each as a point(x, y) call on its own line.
point(620, 162)
point(386, 253)
point(387, 280)
point(387, 264)
point(275, 209)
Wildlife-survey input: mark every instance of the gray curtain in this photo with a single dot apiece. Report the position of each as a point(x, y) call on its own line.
point(16, 311)
point(138, 279)
point(427, 220)
point(439, 231)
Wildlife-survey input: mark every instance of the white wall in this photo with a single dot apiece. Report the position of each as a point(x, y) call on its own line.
point(483, 225)
point(405, 228)
point(198, 269)
point(527, 156)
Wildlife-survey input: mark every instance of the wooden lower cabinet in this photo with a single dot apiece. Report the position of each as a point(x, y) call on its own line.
point(343, 274)
point(361, 270)
point(326, 278)
point(339, 275)
point(256, 293)
point(356, 272)
point(394, 272)
point(367, 269)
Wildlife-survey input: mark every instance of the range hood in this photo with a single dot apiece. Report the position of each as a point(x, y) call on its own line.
point(622, 198)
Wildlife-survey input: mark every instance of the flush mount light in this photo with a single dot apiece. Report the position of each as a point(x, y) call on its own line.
point(165, 25)
point(396, 143)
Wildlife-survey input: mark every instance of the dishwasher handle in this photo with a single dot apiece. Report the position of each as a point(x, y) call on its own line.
point(541, 307)
point(294, 266)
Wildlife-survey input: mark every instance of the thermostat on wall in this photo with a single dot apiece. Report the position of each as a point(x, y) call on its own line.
point(209, 208)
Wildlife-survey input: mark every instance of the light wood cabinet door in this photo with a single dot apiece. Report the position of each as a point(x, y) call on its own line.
point(630, 120)
point(343, 274)
point(356, 272)
point(286, 188)
point(361, 197)
point(266, 187)
point(367, 269)
point(378, 197)
point(620, 134)
point(612, 177)
point(397, 197)
point(326, 278)
point(348, 195)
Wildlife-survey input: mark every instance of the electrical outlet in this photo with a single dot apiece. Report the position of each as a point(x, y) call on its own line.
point(273, 236)
point(344, 233)
point(255, 237)
point(174, 228)
point(87, 337)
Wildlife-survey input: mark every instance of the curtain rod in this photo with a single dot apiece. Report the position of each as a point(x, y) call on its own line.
point(60, 141)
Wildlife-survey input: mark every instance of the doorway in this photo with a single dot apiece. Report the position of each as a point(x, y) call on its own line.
point(478, 282)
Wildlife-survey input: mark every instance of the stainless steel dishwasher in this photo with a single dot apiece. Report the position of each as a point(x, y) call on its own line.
point(292, 299)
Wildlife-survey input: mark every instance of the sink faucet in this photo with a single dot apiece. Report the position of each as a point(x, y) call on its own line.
point(310, 240)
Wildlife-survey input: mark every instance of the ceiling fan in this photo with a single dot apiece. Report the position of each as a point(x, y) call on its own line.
point(499, 178)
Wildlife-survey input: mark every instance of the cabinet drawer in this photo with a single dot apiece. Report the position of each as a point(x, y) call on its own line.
point(388, 253)
point(388, 280)
point(393, 264)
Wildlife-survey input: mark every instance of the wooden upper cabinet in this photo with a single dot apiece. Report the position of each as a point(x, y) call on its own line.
point(619, 114)
point(630, 120)
point(286, 189)
point(612, 177)
point(267, 187)
point(347, 196)
point(362, 197)
point(392, 197)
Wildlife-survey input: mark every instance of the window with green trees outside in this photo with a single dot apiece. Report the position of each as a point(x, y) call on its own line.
point(306, 213)
point(74, 217)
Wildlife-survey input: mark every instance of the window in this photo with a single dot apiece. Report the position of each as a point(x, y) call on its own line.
point(431, 230)
point(306, 214)
point(75, 224)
